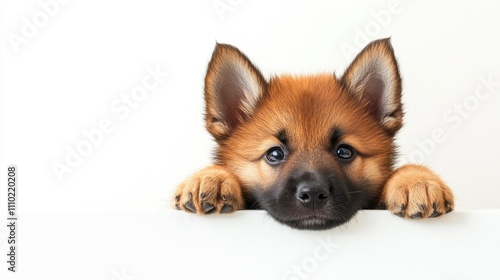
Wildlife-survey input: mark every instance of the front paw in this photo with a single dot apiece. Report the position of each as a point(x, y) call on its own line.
point(211, 190)
point(414, 191)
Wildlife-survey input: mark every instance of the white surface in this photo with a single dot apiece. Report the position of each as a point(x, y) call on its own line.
point(250, 245)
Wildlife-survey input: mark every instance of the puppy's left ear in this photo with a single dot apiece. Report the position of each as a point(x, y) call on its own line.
point(374, 78)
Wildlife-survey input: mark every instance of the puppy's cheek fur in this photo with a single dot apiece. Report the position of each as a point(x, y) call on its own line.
point(365, 180)
point(373, 170)
point(254, 175)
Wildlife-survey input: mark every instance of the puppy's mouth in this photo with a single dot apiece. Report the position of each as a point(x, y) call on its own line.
point(313, 222)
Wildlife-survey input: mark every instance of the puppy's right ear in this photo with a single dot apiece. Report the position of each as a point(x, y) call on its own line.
point(233, 88)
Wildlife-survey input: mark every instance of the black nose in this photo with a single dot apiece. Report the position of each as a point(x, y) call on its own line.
point(312, 194)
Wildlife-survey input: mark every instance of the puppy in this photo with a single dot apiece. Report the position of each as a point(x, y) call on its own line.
point(310, 150)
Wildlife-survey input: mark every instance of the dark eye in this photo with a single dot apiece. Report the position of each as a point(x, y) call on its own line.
point(345, 152)
point(275, 155)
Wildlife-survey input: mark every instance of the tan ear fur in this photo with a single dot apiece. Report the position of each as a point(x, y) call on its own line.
point(233, 88)
point(374, 77)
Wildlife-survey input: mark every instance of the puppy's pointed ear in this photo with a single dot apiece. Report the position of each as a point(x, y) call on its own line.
point(233, 88)
point(374, 78)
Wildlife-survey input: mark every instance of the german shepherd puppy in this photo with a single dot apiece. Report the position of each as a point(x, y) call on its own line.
point(310, 150)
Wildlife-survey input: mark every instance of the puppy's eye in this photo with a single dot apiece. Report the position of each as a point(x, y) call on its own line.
point(275, 155)
point(345, 152)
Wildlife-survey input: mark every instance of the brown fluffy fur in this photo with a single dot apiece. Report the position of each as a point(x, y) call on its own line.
point(309, 118)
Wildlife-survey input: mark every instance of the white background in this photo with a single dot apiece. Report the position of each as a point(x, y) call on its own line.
point(66, 77)
point(63, 77)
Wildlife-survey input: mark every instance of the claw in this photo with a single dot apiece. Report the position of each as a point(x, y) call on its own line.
point(401, 211)
point(226, 208)
point(448, 208)
point(435, 214)
point(417, 215)
point(190, 206)
point(207, 207)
